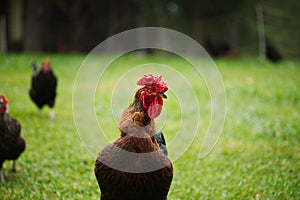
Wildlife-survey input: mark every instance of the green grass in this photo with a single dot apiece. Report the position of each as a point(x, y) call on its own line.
point(256, 157)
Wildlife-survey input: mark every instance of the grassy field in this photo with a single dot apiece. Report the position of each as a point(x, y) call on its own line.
point(257, 155)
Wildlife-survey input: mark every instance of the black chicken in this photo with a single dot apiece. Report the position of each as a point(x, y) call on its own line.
point(43, 87)
point(12, 144)
point(272, 53)
point(216, 48)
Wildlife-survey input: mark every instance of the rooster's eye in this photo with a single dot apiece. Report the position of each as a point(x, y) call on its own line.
point(149, 90)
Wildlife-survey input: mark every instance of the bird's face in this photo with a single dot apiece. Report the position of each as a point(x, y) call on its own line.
point(152, 100)
point(152, 94)
point(3, 104)
point(46, 66)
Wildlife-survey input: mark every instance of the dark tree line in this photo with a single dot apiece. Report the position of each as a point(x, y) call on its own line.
point(79, 25)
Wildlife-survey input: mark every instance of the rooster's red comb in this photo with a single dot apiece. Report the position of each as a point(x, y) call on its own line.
point(47, 60)
point(3, 99)
point(154, 81)
point(46, 65)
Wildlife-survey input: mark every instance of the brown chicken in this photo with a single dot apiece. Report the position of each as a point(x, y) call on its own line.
point(12, 144)
point(134, 167)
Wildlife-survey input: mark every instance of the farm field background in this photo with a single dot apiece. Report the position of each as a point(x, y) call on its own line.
point(256, 157)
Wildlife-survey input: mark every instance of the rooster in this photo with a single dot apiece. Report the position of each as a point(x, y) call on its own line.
point(134, 167)
point(12, 144)
point(43, 87)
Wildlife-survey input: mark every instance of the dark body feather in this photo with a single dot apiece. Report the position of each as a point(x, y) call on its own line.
point(134, 167)
point(43, 88)
point(12, 144)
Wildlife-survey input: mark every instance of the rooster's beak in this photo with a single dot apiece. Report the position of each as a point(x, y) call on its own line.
point(162, 95)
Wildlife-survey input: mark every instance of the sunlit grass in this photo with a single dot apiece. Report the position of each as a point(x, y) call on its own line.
point(256, 157)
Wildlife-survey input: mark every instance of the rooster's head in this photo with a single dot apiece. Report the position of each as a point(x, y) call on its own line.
point(46, 65)
point(3, 104)
point(152, 94)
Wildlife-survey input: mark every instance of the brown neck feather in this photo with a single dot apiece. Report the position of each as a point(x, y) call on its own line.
point(141, 116)
point(135, 117)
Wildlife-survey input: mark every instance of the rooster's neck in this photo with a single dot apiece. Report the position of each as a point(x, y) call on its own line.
point(137, 106)
point(136, 121)
point(140, 113)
